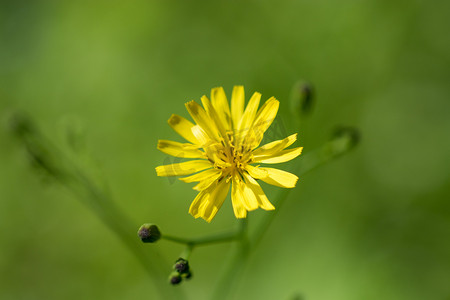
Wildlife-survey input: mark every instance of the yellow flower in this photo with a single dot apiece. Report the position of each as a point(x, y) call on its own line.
point(224, 144)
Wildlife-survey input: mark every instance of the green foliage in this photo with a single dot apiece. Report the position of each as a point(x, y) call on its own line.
point(102, 78)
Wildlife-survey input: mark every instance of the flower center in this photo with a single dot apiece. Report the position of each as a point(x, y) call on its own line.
point(232, 161)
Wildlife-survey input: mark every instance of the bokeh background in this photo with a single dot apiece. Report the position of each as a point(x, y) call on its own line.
point(374, 224)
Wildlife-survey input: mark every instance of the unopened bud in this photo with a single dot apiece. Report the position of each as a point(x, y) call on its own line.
point(175, 278)
point(149, 233)
point(182, 266)
point(302, 97)
point(351, 135)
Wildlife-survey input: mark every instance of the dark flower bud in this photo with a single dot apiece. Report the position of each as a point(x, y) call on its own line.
point(149, 233)
point(182, 266)
point(175, 278)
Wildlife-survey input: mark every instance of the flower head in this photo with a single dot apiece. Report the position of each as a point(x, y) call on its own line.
point(224, 144)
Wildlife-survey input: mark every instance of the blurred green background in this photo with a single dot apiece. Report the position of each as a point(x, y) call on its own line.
point(374, 224)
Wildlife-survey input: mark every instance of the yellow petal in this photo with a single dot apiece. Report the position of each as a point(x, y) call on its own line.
point(182, 127)
point(266, 114)
point(200, 176)
point(180, 150)
point(205, 183)
point(250, 200)
point(256, 172)
point(263, 120)
point(220, 103)
point(184, 168)
point(247, 118)
point(211, 206)
point(261, 197)
point(238, 201)
point(200, 135)
point(199, 200)
point(279, 157)
point(237, 105)
point(273, 147)
point(279, 178)
point(201, 118)
point(212, 113)
point(215, 154)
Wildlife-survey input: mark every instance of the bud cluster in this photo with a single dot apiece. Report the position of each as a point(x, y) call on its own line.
point(181, 271)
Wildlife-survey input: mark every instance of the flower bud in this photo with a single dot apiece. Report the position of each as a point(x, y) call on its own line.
point(149, 233)
point(350, 134)
point(182, 266)
point(302, 97)
point(175, 278)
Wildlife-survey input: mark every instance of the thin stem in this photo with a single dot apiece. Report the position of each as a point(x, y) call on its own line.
point(341, 144)
point(202, 241)
point(48, 159)
point(243, 235)
point(235, 266)
point(176, 239)
point(187, 252)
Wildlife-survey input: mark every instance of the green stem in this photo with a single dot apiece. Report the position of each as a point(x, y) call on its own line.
point(235, 265)
point(47, 158)
point(202, 241)
point(341, 144)
point(187, 252)
point(243, 235)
